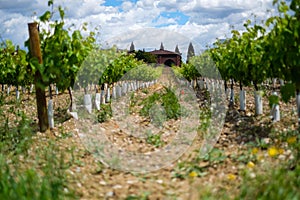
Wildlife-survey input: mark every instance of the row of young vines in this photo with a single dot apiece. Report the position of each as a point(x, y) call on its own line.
point(260, 53)
point(69, 56)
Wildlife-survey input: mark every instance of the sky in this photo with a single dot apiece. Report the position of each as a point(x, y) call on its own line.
point(146, 23)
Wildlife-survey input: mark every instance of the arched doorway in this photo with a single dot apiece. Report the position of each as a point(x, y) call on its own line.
point(166, 57)
point(169, 62)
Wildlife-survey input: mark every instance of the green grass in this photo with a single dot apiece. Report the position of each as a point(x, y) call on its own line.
point(22, 177)
point(44, 181)
point(105, 113)
point(278, 183)
point(167, 99)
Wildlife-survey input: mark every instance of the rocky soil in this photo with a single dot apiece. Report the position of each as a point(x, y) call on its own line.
point(190, 176)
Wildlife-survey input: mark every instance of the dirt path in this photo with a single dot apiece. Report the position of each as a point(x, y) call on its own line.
point(189, 177)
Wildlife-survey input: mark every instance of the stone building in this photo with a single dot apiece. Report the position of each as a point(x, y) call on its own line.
point(166, 57)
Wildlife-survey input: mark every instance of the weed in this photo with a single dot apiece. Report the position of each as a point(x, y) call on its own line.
point(188, 169)
point(144, 196)
point(15, 130)
point(148, 103)
point(155, 140)
point(171, 105)
point(205, 119)
point(215, 156)
point(167, 99)
point(278, 183)
point(145, 91)
point(47, 181)
point(105, 113)
point(158, 115)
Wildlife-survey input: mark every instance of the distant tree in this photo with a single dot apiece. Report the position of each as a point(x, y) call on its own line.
point(145, 56)
point(161, 46)
point(191, 52)
point(131, 47)
point(177, 49)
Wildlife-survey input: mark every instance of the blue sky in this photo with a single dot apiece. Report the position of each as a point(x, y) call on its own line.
point(116, 2)
point(122, 21)
point(178, 16)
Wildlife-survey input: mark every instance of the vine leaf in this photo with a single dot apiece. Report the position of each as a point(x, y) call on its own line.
point(287, 92)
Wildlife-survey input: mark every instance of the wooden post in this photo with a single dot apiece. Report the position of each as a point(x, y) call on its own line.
point(298, 106)
point(35, 52)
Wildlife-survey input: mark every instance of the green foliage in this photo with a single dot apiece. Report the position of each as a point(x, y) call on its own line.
point(242, 56)
point(256, 54)
point(183, 170)
point(287, 92)
point(207, 192)
point(13, 65)
point(94, 66)
point(171, 104)
point(46, 181)
point(145, 56)
point(177, 72)
point(107, 66)
point(16, 183)
point(148, 104)
point(200, 65)
point(205, 65)
point(192, 168)
point(105, 113)
point(157, 115)
point(144, 196)
point(278, 183)
point(155, 140)
point(167, 99)
point(117, 68)
point(63, 50)
point(190, 52)
point(215, 156)
point(143, 72)
point(205, 118)
point(273, 99)
point(189, 71)
point(14, 137)
point(283, 46)
point(245, 157)
point(292, 137)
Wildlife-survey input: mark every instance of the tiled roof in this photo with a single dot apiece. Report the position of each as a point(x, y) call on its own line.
point(164, 52)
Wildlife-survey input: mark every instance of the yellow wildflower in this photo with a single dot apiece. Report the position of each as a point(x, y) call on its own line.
point(193, 174)
point(281, 151)
point(231, 177)
point(291, 140)
point(273, 151)
point(254, 151)
point(250, 164)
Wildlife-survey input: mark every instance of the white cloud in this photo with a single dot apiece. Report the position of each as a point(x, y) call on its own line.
point(15, 27)
point(151, 38)
point(127, 5)
point(207, 19)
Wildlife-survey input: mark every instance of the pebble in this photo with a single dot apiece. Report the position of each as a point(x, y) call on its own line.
point(288, 152)
point(103, 183)
point(159, 181)
point(110, 194)
point(281, 157)
point(266, 140)
point(252, 175)
point(291, 157)
point(117, 187)
point(131, 181)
